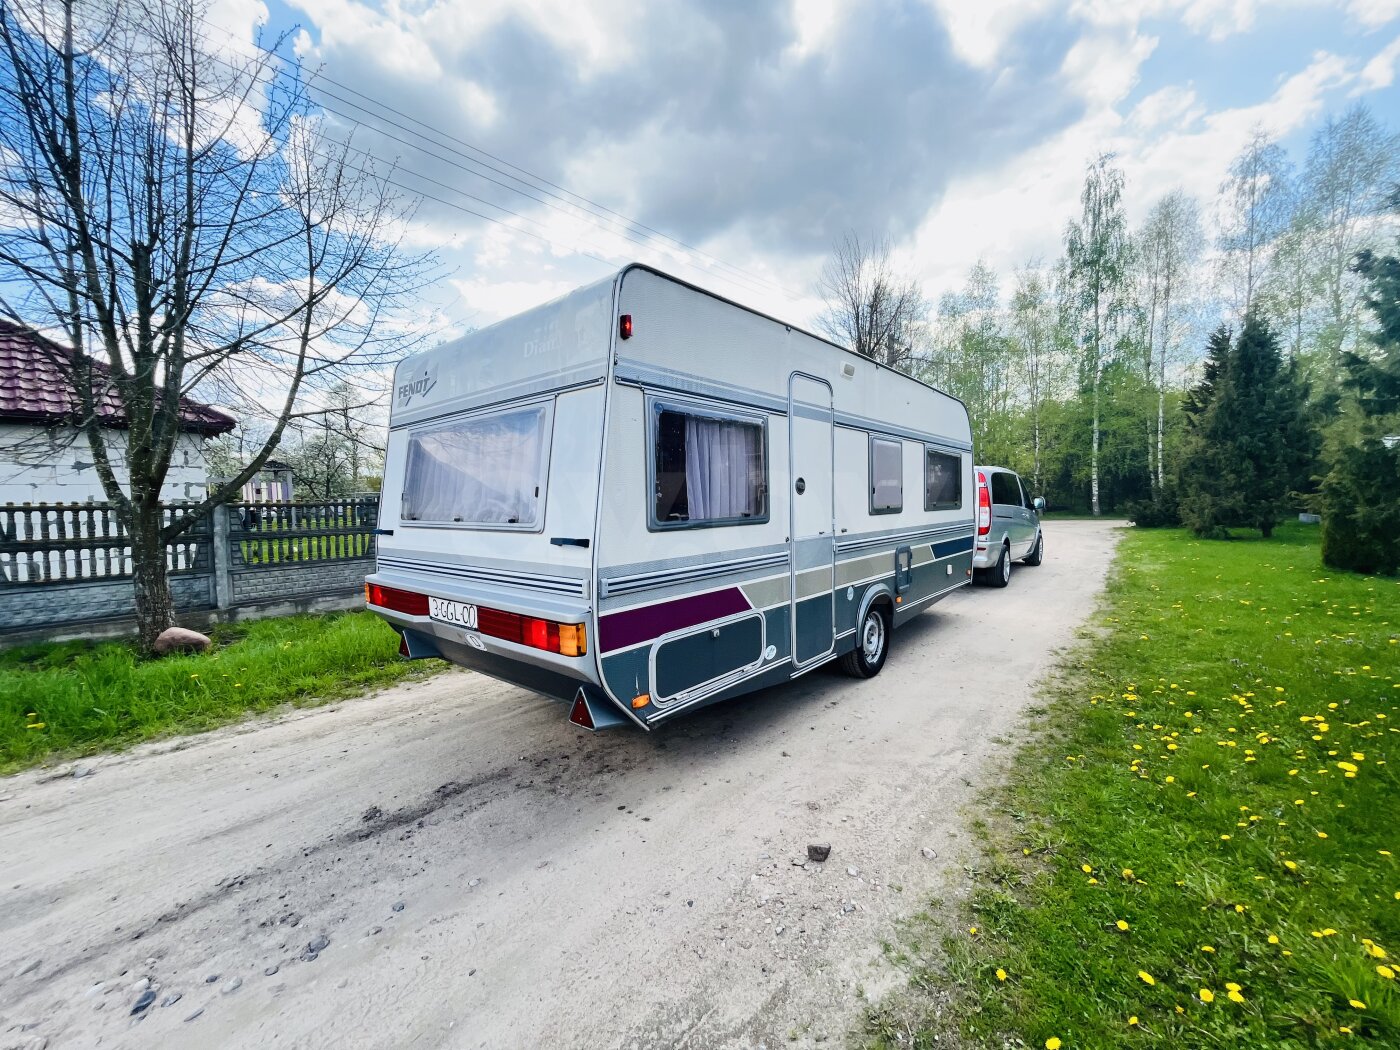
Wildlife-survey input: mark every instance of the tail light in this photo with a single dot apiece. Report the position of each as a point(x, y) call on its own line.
point(399, 601)
point(984, 505)
point(566, 639)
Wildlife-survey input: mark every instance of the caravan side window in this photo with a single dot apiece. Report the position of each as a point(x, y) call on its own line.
point(486, 471)
point(708, 468)
point(886, 476)
point(942, 480)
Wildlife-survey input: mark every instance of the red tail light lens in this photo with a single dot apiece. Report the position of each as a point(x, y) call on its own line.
point(567, 639)
point(984, 505)
point(397, 600)
point(624, 326)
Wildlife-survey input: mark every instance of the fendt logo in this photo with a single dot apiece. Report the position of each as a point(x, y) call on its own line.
point(416, 388)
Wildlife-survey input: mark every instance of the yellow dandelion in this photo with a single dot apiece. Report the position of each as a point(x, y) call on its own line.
point(1207, 948)
point(1053, 1043)
point(1121, 925)
point(1207, 996)
point(1001, 974)
point(1386, 972)
point(972, 930)
point(1377, 952)
point(1356, 1004)
point(1146, 977)
point(1132, 1021)
point(1086, 868)
point(1273, 938)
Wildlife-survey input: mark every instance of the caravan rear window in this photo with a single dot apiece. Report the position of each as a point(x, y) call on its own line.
point(942, 480)
point(708, 469)
point(487, 471)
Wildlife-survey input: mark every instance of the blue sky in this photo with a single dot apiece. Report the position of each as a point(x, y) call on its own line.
point(760, 132)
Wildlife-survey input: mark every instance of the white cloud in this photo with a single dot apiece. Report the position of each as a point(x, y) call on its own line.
point(980, 29)
point(1373, 13)
point(1380, 71)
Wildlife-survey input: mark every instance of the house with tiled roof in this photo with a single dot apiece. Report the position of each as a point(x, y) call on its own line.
point(44, 455)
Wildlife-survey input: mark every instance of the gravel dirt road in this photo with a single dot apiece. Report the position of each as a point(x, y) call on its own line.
point(450, 863)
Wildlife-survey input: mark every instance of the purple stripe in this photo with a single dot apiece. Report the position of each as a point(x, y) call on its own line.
point(620, 630)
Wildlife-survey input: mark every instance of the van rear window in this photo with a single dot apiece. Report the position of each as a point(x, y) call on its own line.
point(488, 470)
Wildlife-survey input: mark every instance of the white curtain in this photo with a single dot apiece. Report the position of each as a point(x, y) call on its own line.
point(723, 469)
point(480, 471)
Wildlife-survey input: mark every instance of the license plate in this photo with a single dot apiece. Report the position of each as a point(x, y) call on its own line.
point(458, 614)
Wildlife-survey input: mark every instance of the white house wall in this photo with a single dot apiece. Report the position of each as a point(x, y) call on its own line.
point(55, 465)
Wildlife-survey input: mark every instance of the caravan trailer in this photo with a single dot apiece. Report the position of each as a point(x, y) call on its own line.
point(642, 498)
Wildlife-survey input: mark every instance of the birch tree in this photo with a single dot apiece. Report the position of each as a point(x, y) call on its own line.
point(1255, 202)
point(1034, 331)
point(1171, 243)
point(1097, 253)
point(1351, 167)
point(177, 213)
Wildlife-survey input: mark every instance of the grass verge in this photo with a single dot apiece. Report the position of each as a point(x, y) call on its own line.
point(74, 698)
point(1201, 845)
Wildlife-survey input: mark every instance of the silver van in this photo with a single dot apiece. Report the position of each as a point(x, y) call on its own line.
point(1008, 525)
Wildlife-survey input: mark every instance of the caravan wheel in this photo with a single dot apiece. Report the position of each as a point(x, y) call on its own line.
point(872, 645)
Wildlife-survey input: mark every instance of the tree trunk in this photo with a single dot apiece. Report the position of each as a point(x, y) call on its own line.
point(1161, 429)
point(1094, 460)
point(155, 610)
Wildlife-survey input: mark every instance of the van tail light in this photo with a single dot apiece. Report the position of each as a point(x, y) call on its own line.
point(396, 600)
point(984, 505)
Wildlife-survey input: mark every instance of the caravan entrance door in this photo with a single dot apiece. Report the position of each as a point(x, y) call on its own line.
point(813, 547)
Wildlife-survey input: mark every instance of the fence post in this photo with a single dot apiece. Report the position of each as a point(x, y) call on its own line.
point(223, 578)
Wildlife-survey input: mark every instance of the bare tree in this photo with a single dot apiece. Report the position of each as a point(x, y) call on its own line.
point(180, 214)
point(869, 307)
point(1255, 201)
point(1169, 245)
point(1098, 252)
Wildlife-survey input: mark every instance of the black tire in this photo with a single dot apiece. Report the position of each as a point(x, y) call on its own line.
point(872, 644)
point(1037, 554)
point(1000, 573)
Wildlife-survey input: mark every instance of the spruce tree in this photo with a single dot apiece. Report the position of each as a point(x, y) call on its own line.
point(1248, 439)
point(1361, 493)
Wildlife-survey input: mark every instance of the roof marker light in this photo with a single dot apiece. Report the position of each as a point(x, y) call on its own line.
point(624, 326)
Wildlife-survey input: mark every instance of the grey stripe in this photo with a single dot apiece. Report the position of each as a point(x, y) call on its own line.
point(851, 421)
point(904, 536)
point(636, 373)
point(732, 557)
point(494, 578)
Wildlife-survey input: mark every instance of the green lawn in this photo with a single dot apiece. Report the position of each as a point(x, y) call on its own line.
point(1201, 847)
point(76, 698)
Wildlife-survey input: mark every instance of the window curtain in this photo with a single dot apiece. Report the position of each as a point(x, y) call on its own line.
point(722, 461)
point(481, 471)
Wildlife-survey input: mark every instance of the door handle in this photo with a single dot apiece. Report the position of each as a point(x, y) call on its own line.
point(801, 486)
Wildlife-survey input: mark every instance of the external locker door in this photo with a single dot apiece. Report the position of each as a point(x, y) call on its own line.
point(811, 426)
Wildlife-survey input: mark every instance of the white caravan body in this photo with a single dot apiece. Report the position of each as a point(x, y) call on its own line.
point(642, 498)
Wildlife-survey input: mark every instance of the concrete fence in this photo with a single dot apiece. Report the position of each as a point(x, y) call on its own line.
point(65, 569)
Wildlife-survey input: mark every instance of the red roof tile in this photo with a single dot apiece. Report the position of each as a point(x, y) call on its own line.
point(35, 387)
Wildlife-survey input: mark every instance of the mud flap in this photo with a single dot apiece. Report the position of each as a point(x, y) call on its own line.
point(593, 712)
point(414, 645)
